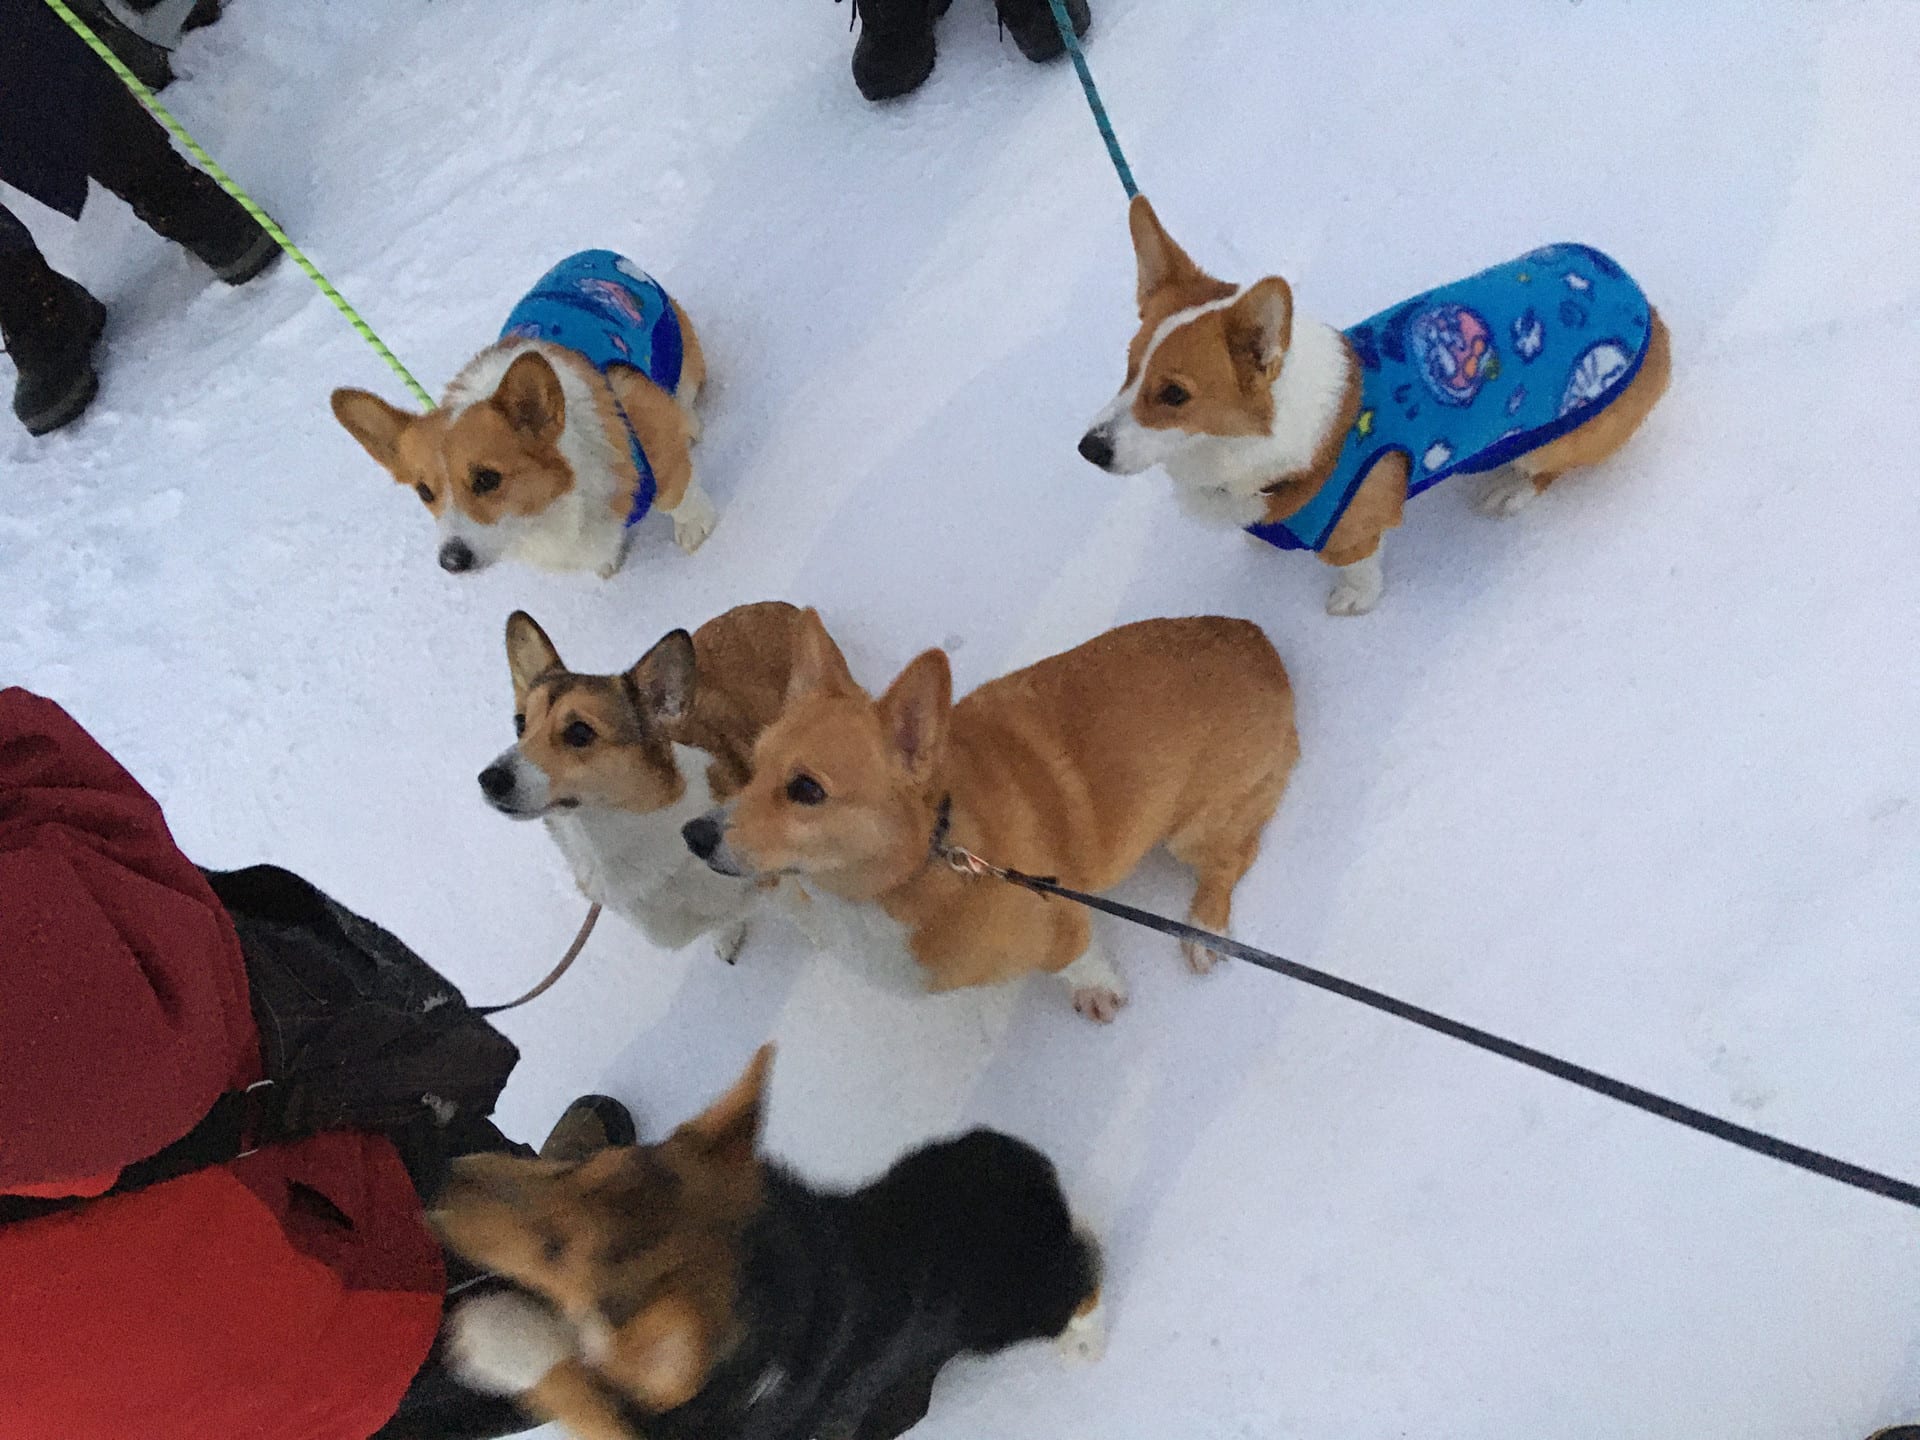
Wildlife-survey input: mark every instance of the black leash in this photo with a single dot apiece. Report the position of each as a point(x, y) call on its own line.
point(1760, 1143)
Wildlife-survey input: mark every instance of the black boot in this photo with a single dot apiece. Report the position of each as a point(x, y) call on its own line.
point(1034, 29)
point(133, 158)
point(894, 53)
point(146, 60)
point(590, 1125)
point(50, 325)
point(1898, 1432)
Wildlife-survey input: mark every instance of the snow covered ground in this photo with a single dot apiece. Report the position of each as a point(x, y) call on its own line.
point(1632, 777)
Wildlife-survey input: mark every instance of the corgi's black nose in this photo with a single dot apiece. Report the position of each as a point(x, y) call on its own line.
point(702, 836)
point(1096, 449)
point(455, 556)
point(496, 782)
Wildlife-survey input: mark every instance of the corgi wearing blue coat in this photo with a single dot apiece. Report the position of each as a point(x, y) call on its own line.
point(561, 437)
point(1313, 438)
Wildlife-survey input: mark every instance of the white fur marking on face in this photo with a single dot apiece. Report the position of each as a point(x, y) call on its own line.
point(1135, 446)
point(1360, 584)
point(579, 531)
point(532, 792)
point(506, 1343)
point(1307, 398)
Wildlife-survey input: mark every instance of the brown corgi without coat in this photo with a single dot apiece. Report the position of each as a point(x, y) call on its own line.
point(1314, 438)
point(1174, 732)
point(617, 764)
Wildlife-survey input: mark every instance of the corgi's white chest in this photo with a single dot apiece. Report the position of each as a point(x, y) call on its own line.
point(639, 866)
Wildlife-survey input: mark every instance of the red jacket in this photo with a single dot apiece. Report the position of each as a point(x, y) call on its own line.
point(220, 1304)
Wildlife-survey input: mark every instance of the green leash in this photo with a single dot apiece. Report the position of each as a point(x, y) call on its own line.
point(226, 183)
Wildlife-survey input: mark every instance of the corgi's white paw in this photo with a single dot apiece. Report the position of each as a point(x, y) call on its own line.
point(1085, 1338)
point(1200, 960)
point(1099, 1003)
point(1351, 599)
point(608, 570)
point(693, 522)
point(1506, 492)
point(506, 1342)
point(696, 427)
point(730, 940)
point(1359, 587)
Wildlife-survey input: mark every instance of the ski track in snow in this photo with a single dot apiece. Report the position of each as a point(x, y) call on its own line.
point(1631, 777)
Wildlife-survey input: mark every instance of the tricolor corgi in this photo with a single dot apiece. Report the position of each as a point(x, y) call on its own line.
point(617, 764)
point(693, 1290)
point(1313, 438)
point(553, 443)
point(1165, 732)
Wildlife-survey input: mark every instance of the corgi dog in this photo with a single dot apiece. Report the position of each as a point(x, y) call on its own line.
point(617, 764)
point(693, 1288)
point(1174, 732)
point(1313, 438)
point(557, 440)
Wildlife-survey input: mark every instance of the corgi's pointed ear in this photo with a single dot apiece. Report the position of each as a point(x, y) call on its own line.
point(1260, 326)
point(1161, 262)
point(530, 654)
point(817, 661)
point(377, 425)
point(728, 1129)
point(529, 395)
point(915, 710)
point(665, 677)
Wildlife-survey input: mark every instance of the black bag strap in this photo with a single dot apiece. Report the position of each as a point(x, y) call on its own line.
point(238, 1124)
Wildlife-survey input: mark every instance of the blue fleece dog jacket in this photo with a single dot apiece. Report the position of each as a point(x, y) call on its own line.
point(611, 312)
point(1470, 375)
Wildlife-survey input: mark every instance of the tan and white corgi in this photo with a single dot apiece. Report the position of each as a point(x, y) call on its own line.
point(617, 764)
point(1174, 732)
point(553, 443)
point(1313, 438)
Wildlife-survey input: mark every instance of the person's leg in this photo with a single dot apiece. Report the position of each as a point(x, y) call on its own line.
point(132, 156)
point(49, 325)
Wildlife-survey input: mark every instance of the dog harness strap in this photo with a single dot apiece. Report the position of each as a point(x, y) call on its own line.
point(610, 312)
point(1476, 373)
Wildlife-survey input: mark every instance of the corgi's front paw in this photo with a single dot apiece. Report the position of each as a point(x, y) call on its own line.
point(693, 522)
point(730, 940)
point(1099, 1003)
point(506, 1342)
point(1507, 492)
point(1350, 598)
point(1085, 1338)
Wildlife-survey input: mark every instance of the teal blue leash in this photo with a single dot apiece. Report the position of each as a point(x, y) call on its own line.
point(1072, 43)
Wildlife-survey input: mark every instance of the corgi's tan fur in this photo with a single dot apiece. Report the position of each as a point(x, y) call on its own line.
point(527, 457)
point(616, 764)
point(1175, 732)
point(1247, 404)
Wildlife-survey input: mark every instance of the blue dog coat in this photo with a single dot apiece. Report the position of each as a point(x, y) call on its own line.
point(611, 312)
point(1472, 374)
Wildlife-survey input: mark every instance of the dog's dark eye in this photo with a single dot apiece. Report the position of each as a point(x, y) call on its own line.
point(485, 480)
point(1173, 395)
point(519, 726)
point(805, 790)
point(424, 493)
point(579, 734)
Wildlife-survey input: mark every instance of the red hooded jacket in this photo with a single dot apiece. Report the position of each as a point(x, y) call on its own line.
point(225, 1303)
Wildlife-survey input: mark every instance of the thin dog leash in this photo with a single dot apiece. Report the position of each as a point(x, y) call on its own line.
point(1760, 1143)
point(246, 201)
point(1072, 42)
point(553, 975)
